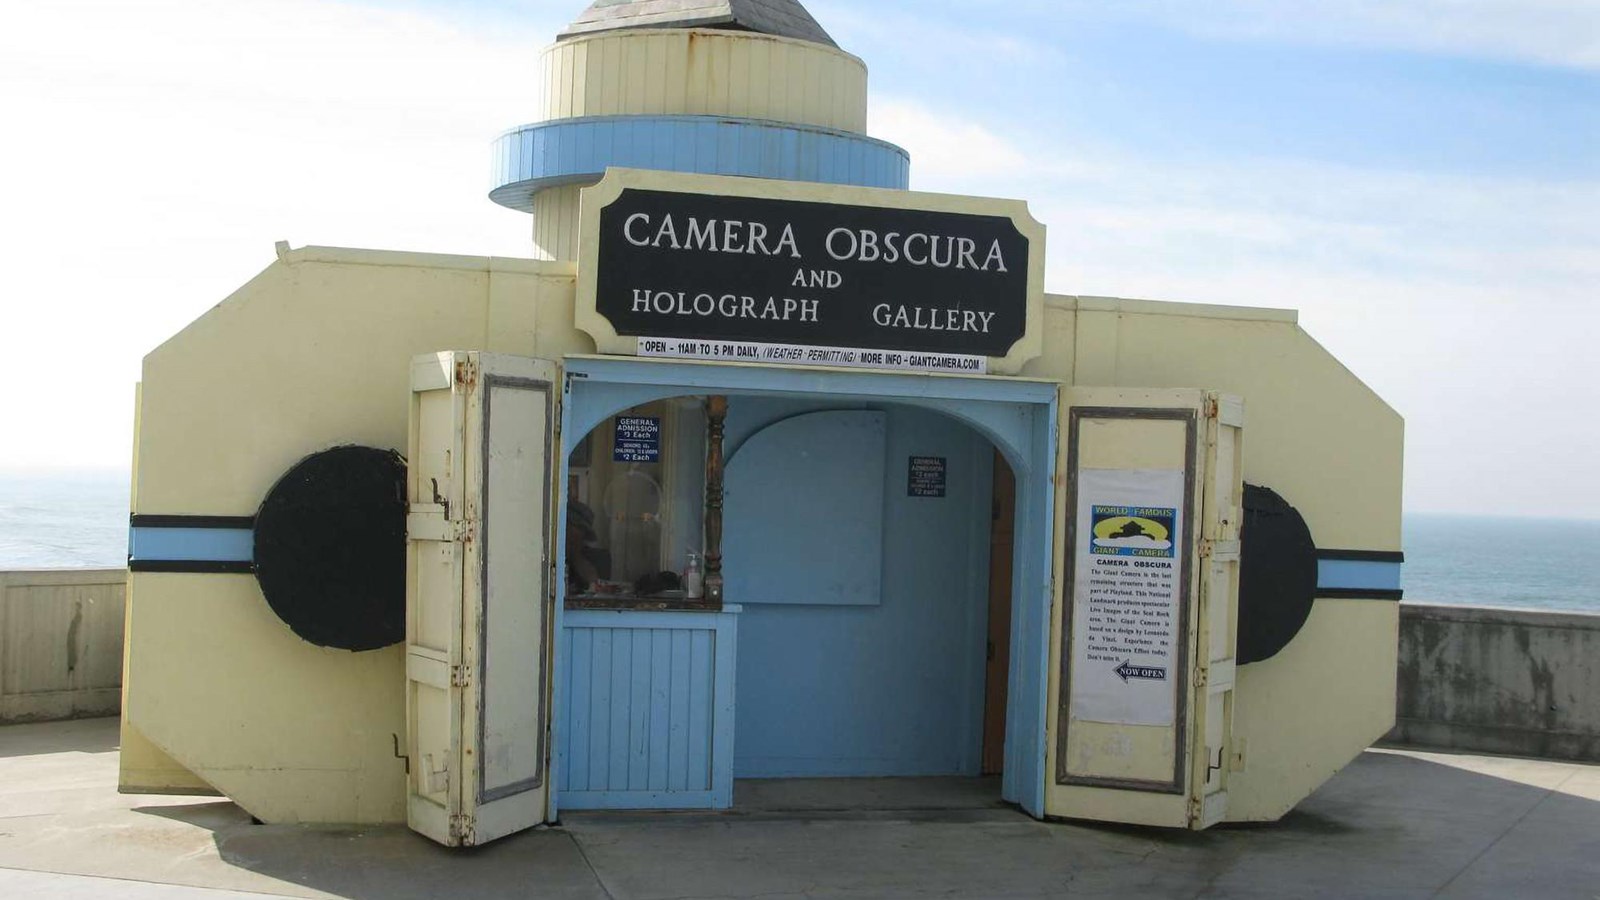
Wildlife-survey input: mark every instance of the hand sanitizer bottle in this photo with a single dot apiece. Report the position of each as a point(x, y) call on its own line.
point(693, 580)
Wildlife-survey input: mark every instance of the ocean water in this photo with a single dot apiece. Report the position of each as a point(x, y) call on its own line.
point(81, 519)
point(1500, 561)
point(64, 518)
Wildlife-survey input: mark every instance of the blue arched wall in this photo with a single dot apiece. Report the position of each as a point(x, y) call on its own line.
point(894, 687)
point(1017, 416)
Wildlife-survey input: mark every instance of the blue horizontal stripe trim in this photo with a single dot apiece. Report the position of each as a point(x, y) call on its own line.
point(191, 544)
point(532, 158)
point(1348, 574)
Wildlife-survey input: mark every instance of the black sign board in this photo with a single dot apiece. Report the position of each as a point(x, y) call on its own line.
point(638, 439)
point(730, 268)
point(925, 477)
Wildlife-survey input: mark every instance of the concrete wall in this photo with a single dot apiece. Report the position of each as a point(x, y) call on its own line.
point(60, 643)
point(1510, 681)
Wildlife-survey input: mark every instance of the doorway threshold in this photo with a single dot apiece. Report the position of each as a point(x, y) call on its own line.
point(775, 795)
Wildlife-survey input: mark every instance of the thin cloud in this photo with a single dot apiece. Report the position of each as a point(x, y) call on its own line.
point(163, 147)
point(1442, 292)
point(1560, 33)
point(942, 146)
point(860, 28)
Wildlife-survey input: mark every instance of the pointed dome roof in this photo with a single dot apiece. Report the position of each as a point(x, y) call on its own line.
point(783, 18)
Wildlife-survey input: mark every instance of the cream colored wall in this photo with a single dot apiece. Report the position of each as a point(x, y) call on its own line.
point(312, 353)
point(1331, 447)
point(704, 72)
point(144, 768)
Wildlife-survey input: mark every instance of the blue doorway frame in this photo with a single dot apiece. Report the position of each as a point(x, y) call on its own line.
point(1019, 416)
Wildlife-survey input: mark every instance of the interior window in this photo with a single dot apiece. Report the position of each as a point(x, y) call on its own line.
point(635, 503)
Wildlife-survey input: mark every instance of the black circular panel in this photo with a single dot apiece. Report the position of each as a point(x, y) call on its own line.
point(1277, 574)
point(331, 547)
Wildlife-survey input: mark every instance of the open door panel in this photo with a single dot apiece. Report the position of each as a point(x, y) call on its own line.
point(1143, 623)
point(479, 594)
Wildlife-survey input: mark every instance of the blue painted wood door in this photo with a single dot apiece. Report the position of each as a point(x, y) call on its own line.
point(893, 688)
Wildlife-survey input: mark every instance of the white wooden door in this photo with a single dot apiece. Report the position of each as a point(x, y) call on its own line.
point(1144, 622)
point(480, 594)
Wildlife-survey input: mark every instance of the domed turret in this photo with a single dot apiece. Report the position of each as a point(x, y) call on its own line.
point(780, 18)
point(751, 88)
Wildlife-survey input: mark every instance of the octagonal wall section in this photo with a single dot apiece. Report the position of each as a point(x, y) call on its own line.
point(1330, 446)
point(312, 353)
point(703, 72)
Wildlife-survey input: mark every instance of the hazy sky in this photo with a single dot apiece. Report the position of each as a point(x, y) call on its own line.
point(1420, 178)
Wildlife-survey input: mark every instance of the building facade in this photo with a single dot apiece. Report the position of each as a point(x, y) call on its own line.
point(761, 466)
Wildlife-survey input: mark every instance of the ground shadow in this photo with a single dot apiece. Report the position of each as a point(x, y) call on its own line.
point(1390, 825)
point(390, 861)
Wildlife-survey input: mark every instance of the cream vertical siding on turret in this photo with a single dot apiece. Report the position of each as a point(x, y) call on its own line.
point(702, 72)
point(555, 223)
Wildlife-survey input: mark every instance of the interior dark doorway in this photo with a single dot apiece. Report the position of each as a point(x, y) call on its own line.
point(997, 663)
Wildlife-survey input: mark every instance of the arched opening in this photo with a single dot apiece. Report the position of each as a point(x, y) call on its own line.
point(874, 590)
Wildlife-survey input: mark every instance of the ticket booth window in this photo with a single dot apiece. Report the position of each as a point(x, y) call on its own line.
point(635, 503)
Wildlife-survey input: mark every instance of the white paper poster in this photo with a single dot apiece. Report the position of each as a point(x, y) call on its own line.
point(1125, 612)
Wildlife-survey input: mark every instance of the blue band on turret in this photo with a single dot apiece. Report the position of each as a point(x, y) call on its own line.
point(532, 158)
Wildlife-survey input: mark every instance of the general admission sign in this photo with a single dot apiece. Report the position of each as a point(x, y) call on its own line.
point(791, 273)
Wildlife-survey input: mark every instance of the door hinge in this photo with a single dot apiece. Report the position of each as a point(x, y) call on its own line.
point(1227, 409)
point(466, 373)
point(461, 676)
point(461, 828)
point(1221, 551)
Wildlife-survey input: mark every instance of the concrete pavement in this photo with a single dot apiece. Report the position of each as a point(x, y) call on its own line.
point(1395, 824)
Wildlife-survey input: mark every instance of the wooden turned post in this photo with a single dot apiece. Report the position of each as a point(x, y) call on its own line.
point(716, 412)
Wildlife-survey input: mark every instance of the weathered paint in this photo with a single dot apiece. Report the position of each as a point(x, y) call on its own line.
point(704, 72)
point(535, 158)
point(1522, 682)
point(61, 634)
